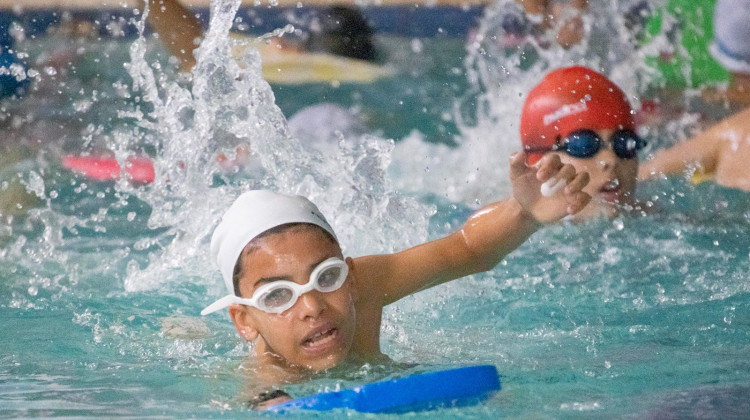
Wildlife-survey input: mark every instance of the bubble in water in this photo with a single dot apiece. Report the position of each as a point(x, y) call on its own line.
point(729, 317)
point(416, 46)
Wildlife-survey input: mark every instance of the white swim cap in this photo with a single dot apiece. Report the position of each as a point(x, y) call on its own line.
point(318, 127)
point(251, 214)
point(731, 46)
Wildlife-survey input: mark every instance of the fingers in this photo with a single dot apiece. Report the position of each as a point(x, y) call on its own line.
point(577, 201)
point(555, 176)
point(574, 195)
point(518, 165)
point(548, 166)
point(578, 183)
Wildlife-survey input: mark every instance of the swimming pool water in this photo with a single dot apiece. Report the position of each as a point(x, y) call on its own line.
point(644, 316)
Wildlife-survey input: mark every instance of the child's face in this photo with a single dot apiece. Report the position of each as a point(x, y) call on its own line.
point(317, 332)
point(613, 179)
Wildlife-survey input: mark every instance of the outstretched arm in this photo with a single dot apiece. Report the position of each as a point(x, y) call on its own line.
point(178, 29)
point(700, 151)
point(722, 149)
point(486, 238)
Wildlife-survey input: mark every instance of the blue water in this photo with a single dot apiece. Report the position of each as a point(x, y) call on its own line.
point(643, 316)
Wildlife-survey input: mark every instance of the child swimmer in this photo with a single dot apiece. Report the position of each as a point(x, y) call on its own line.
point(581, 113)
point(308, 308)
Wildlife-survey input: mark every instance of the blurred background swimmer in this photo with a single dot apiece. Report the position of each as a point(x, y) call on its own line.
point(731, 47)
point(698, 55)
point(35, 107)
point(523, 26)
point(562, 17)
point(337, 47)
point(536, 21)
point(320, 127)
point(719, 152)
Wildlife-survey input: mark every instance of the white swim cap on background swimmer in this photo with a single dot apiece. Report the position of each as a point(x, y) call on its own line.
point(253, 213)
point(731, 46)
point(318, 127)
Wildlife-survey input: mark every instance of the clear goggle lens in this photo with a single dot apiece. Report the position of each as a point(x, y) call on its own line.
point(279, 296)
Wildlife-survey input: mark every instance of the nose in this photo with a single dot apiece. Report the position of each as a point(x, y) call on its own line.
point(311, 305)
point(606, 158)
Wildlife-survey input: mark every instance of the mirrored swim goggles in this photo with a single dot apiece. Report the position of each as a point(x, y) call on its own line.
point(584, 144)
point(278, 296)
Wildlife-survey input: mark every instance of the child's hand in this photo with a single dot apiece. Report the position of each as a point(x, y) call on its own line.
point(527, 183)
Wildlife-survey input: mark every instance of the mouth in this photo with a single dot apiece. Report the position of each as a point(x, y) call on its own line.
point(610, 191)
point(321, 339)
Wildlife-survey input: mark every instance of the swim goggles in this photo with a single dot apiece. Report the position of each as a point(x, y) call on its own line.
point(585, 144)
point(278, 296)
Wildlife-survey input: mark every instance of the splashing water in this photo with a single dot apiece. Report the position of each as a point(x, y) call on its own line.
point(102, 283)
point(501, 68)
point(230, 105)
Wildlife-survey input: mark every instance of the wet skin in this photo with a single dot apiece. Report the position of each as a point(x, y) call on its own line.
point(612, 180)
point(320, 330)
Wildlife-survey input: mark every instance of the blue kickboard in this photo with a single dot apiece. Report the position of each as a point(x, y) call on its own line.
point(445, 388)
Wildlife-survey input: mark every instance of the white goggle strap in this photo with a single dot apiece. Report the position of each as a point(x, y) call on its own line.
point(226, 301)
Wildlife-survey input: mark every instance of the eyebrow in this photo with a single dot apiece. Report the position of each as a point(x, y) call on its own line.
point(265, 280)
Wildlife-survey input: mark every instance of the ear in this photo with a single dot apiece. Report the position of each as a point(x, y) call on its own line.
point(243, 322)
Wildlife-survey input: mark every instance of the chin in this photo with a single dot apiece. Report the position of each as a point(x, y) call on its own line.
point(326, 363)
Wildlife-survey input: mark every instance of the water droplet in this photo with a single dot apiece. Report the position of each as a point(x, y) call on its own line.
point(416, 46)
point(36, 184)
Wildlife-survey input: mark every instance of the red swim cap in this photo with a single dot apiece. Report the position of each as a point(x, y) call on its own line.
point(569, 99)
